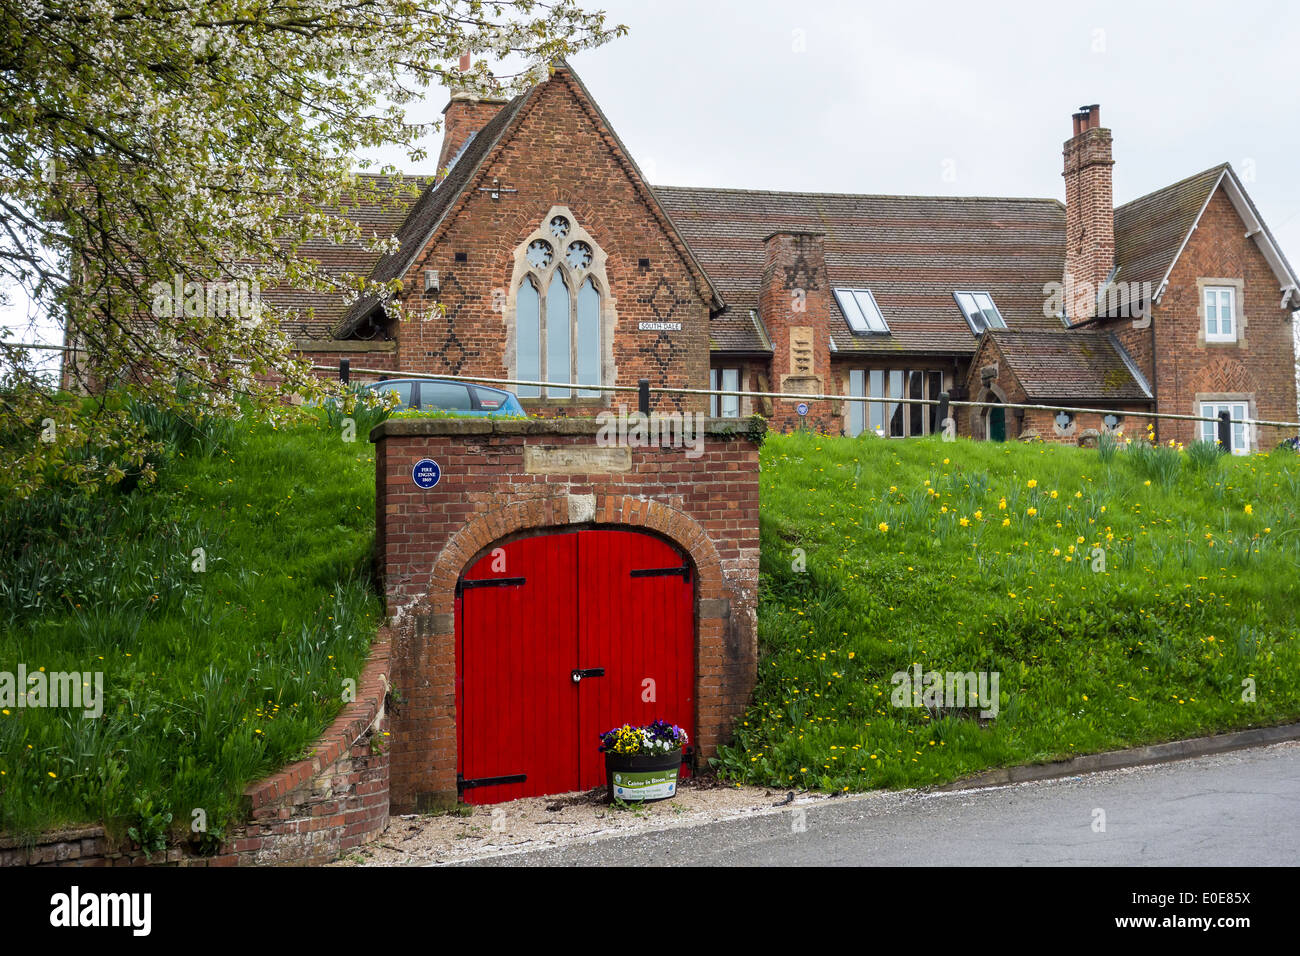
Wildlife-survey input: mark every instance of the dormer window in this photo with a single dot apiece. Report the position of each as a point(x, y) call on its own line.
point(979, 311)
point(861, 312)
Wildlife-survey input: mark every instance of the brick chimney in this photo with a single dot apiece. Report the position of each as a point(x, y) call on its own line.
point(1089, 214)
point(795, 304)
point(464, 115)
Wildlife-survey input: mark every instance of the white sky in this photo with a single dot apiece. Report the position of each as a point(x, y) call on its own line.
point(950, 98)
point(886, 97)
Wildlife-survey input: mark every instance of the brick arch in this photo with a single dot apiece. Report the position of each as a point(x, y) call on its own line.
point(424, 763)
point(559, 511)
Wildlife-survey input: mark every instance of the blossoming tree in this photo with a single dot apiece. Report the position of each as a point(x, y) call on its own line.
point(147, 144)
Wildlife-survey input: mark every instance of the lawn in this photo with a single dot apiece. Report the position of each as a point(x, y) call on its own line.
point(1121, 596)
point(226, 608)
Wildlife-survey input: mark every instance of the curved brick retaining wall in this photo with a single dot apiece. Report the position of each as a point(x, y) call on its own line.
point(310, 812)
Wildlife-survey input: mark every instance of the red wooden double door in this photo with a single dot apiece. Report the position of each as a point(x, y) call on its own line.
point(560, 637)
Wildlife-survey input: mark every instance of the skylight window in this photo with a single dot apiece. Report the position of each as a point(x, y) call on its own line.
point(861, 312)
point(979, 310)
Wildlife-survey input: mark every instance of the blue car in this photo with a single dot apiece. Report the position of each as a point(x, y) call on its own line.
point(458, 398)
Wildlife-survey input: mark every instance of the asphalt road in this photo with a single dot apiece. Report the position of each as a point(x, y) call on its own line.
point(1235, 809)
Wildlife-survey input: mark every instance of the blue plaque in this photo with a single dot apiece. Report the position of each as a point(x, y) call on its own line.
point(426, 473)
point(802, 408)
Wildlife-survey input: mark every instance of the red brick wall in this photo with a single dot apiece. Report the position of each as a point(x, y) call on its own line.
point(707, 505)
point(559, 155)
point(1038, 424)
point(1263, 365)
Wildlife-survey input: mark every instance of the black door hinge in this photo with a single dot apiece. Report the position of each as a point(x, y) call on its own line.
point(488, 583)
point(684, 571)
point(462, 784)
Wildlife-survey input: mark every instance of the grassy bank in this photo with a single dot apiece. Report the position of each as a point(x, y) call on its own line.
point(225, 607)
point(1122, 598)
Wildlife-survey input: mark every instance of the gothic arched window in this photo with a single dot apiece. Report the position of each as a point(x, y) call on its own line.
point(562, 316)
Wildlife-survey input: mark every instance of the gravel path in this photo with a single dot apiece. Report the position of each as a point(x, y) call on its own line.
point(555, 822)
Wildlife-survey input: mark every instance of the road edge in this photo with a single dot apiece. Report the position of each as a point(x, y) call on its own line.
point(1131, 757)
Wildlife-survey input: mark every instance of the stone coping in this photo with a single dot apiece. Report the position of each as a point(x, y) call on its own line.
point(750, 429)
point(355, 719)
point(89, 831)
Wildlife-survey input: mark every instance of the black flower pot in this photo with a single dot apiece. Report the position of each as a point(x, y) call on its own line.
point(642, 778)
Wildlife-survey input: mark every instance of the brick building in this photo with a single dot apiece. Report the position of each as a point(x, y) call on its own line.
point(543, 254)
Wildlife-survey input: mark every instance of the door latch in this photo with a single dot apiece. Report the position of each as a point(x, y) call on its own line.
point(580, 673)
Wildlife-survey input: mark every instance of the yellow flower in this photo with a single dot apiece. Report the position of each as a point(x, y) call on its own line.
point(1031, 512)
point(1147, 482)
point(1249, 510)
point(1032, 483)
point(884, 528)
point(965, 522)
point(1002, 505)
point(1005, 522)
point(1053, 493)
